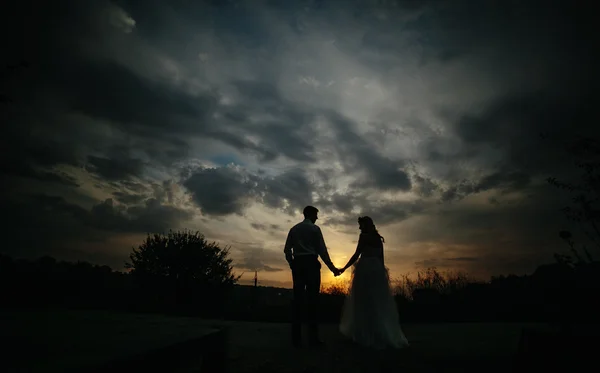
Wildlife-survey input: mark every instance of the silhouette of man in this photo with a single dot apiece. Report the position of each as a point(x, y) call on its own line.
point(303, 247)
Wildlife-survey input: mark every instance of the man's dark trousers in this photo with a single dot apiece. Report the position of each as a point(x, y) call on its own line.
point(306, 274)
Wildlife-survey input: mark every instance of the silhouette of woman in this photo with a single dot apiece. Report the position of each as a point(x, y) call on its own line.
point(370, 316)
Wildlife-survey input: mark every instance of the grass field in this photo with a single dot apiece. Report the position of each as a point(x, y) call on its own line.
point(55, 341)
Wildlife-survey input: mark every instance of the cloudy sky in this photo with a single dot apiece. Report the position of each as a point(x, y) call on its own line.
point(229, 117)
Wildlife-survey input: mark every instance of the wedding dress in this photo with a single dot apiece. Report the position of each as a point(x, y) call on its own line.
point(370, 315)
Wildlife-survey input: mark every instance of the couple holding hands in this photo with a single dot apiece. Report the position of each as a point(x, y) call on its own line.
point(370, 316)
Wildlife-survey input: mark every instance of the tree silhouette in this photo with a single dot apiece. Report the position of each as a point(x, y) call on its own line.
point(183, 256)
point(182, 271)
point(584, 278)
point(584, 211)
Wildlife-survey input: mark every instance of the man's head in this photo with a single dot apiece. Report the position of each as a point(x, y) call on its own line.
point(311, 212)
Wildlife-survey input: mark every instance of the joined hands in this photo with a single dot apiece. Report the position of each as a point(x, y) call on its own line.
point(338, 271)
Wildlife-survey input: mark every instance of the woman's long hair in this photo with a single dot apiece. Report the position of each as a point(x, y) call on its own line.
point(366, 225)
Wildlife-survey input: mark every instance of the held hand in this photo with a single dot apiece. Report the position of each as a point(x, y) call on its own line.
point(338, 271)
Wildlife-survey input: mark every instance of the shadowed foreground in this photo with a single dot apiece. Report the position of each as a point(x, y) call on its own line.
point(435, 347)
point(60, 341)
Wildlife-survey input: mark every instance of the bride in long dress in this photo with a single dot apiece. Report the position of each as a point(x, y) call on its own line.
point(370, 316)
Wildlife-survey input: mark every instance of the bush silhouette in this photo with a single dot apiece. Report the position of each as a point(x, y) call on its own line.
point(431, 278)
point(339, 288)
point(184, 269)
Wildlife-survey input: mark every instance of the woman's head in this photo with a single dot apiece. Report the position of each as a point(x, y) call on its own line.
point(366, 225)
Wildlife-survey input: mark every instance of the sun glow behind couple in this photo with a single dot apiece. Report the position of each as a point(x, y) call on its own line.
point(369, 315)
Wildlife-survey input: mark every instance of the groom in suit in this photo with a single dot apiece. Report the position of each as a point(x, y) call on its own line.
point(303, 247)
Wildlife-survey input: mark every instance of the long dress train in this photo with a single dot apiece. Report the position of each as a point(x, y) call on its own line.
point(370, 315)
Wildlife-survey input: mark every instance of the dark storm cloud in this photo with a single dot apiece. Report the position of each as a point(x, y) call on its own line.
point(131, 193)
point(424, 186)
point(514, 123)
point(549, 52)
point(159, 116)
point(503, 181)
point(258, 226)
point(62, 80)
point(155, 112)
point(138, 105)
point(128, 198)
point(114, 169)
point(342, 203)
point(382, 213)
point(513, 127)
point(151, 216)
point(533, 30)
point(555, 97)
point(150, 116)
point(50, 225)
point(357, 154)
point(395, 212)
point(292, 186)
point(228, 190)
point(25, 155)
point(99, 81)
point(220, 191)
point(271, 228)
point(288, 130)
point(17, 167)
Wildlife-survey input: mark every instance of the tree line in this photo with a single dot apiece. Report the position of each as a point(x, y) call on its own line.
point(159, 281)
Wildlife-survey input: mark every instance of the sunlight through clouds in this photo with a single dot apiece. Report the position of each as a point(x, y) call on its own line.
point(230, 117)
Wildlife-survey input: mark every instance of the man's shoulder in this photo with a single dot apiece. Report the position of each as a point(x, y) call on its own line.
point(304, 226)
point(296, 226)
point(315, 229)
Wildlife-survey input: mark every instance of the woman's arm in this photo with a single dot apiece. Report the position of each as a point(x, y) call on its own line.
point(354, 257)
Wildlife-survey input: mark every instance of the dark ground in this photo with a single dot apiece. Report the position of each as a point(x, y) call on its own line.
point(56, 341)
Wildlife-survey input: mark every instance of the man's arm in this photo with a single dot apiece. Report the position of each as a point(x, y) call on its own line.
point(324, 254)
point(288, 248)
